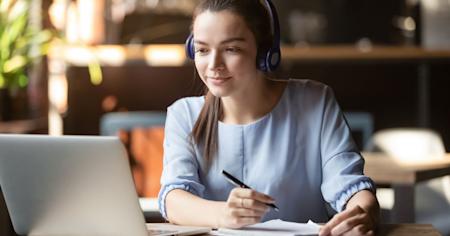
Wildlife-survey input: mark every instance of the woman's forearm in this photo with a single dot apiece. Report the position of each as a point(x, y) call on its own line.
point(185, 208)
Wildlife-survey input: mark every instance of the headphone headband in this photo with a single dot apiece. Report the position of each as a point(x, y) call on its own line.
point(266, 61)
point(273, 55)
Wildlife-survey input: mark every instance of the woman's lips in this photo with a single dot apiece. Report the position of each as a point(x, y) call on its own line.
point(218, 80)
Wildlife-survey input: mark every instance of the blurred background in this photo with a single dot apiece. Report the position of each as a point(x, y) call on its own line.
point(117, 55)
point(77, 67)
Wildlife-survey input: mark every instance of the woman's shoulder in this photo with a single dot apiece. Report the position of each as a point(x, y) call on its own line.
point(307, 84)
point(190, 106)
point(306, 87)
point(306, 98)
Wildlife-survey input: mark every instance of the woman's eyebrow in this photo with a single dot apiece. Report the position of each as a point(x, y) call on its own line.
point(200, 42)
point(238, 39)
point(230, 40)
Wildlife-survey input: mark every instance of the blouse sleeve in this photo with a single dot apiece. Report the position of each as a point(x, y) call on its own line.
point(342, 164)
point(180, 169)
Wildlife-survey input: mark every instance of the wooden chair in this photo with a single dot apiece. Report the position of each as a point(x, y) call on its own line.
point(143, 135)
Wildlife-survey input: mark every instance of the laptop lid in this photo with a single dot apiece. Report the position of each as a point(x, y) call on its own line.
point(69, 185)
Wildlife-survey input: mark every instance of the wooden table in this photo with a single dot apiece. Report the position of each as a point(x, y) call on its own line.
point(403, 177)
point(407, 230)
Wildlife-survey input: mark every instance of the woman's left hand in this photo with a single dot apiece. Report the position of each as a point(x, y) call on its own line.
point(352, 221)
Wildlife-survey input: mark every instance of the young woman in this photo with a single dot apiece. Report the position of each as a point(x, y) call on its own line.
point(287, 140)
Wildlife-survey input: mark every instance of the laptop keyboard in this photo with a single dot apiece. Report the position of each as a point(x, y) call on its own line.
point(161, 232)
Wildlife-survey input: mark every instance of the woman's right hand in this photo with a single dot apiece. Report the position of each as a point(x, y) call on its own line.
point(244, 207)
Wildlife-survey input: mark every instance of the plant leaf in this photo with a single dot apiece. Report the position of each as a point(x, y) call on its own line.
point(43, 36)
point(95, 71)
point(17, 28)
point(39, 44)
point(19, 8)
point(2, 81)
point(23, 80)
point(14, 64)
point(5, 45)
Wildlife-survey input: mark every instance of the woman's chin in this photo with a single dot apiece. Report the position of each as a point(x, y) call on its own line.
point(218, 91)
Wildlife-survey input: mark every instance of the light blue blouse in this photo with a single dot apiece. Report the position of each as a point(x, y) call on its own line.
point(301, 153)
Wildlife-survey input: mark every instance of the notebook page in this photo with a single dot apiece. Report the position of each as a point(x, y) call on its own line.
point(274, 227)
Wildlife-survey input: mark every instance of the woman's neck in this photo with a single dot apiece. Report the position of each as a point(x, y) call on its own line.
point(253, 105)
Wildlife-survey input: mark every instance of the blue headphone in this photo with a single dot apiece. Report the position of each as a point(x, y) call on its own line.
point(267, 61)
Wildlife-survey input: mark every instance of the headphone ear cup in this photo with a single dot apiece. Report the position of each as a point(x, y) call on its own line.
point(273, 59)
point(189, 47)
point(270, 60)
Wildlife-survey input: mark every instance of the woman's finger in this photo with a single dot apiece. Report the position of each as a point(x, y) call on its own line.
point(252, 194)
point(239, 222)
point(243, 212)
point(338, 218)
point(359, 230)
point(352, 223)
point(254, 204)
point(235, 202)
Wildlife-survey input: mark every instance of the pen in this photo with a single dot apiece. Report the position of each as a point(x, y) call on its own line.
point(233, 180)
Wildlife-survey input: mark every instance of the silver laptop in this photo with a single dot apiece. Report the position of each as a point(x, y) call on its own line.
point(73, 185)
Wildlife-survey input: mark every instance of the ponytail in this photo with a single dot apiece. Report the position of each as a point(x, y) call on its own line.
point(205, 130)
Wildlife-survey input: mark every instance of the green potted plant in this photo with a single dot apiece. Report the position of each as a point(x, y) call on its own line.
point(22, 44)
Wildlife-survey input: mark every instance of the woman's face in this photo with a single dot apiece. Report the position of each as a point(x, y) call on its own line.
point(225, 53)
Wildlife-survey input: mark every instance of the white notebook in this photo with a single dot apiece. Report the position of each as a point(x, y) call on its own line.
point(274, 227)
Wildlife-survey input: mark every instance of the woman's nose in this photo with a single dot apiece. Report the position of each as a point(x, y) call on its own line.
point(215, 62)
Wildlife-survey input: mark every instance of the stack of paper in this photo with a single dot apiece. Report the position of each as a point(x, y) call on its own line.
point(274, 227)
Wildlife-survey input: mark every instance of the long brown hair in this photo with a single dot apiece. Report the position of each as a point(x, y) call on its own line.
point(254, 13)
